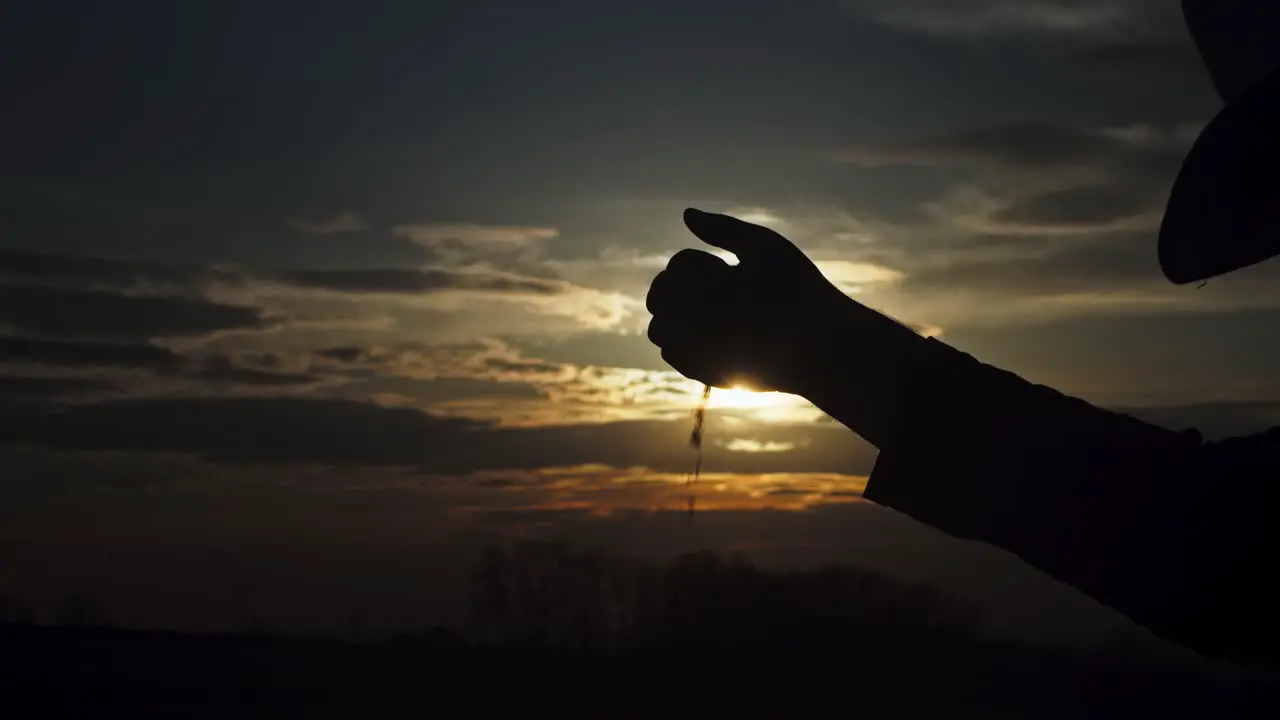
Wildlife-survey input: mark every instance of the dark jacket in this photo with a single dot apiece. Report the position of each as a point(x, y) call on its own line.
point(1179, 534)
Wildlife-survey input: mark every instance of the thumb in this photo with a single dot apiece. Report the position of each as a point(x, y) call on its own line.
point(739, 237)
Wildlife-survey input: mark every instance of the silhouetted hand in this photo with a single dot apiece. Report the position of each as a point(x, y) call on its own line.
point(756, 323)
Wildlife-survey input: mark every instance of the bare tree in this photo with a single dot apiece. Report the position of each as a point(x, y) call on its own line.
point(80, 609)
point(15, 611)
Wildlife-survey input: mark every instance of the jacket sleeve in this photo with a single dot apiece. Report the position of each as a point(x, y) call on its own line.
point(1167, 529)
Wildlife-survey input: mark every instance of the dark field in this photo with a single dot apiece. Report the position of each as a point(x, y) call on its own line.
point(585, 635)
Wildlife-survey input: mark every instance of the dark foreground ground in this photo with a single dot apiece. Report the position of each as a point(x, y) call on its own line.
point(67, 672)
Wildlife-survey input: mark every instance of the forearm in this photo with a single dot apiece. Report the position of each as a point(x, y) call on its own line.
point(870, 373)
point(1099, 500)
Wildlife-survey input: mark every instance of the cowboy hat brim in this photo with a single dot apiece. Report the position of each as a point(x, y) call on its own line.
point(1223, 213)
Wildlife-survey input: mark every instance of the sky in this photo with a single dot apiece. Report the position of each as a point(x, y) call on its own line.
point(308, 301)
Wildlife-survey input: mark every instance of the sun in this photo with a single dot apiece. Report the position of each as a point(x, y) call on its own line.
point(743, 398)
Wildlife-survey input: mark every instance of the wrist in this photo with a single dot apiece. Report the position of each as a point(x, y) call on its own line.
point(867, 370)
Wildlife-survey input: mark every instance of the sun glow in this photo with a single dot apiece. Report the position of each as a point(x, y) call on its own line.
point(742, 398)
point(739, 402)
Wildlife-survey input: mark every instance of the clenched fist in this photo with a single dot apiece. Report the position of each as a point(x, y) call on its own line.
point(757, 323)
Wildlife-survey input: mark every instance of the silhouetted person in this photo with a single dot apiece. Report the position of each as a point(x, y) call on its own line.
point(1174, 532)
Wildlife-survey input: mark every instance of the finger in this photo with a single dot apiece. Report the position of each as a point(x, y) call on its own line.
point(739, 237)
point(692, 278)
point(688, 331)
point(661, 331)
point(698, 261)
point(660, 291)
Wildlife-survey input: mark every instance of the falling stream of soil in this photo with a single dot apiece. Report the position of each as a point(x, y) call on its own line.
point(695, 439)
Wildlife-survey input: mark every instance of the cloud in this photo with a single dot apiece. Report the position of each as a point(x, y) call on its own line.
point(342, 354)
point(435, 235)
point(757, 215)
point(1106, 207)
point(825, 231)
point(1031, 146)
point(1046, 221)
point(41, 389)
point(220, 369)
point(1123, 263)
point(329, 222)
point(408, 281)
point(852, 277)
point(539, 392)
point(1079, 208)
point(1173, 61)
point(91, 273)
point(1214, 420)
point(563, 393)
point(120, 300)
point(356, 434)
point(320, 432)
point(748, 445)
point(980, 18)
point(112, 316)
point(110, 365)
point(248, 430)
point(474, 301)
point(81, 273)
point(1040, 222)
point(1036, 185)
point(630, 271)
point(88, 354)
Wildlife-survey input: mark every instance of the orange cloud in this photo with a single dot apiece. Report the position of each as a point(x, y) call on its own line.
point(603, 489)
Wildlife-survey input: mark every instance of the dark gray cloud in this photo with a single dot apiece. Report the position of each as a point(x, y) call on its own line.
point(249, 430)
point(368, 383)
point(397, 280)
point(1035, 146)
point(1168, 60)
point(347, 354)
point(985, 18)
point(68, 311)
point(90, 313)
point(526, 518)
point(89, 354)
point(80, 272)
point(112, 316)
point(40, 389)
point(1117, 262)
point(1033, 179)
point(220, 369)
point(1214, 420)
point(329, 222)
point(1080, 208)
point(263, 360)
point(252, 371)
